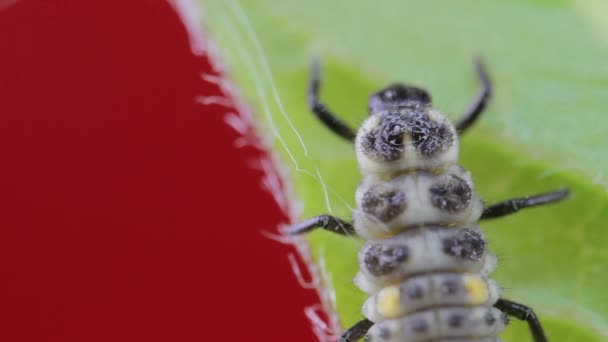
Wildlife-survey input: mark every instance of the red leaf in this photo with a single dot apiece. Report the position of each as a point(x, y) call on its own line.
point(127, 213)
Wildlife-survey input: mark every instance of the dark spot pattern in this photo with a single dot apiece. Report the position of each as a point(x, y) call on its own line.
point(380, 260)
point(385, 332)
point(451, 194)
point(456, 320)
point(489, 318)
point(428, 137)
point(414, 291)
point(383, 205)
point(386, 141)
point(467, 244)
point(450, 286)
point(419, 325)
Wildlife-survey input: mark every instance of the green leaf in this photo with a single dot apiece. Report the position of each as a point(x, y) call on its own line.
point(545, 128)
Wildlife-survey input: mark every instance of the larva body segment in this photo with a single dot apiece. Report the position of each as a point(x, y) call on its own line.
point(388, 205)
point(446, 323)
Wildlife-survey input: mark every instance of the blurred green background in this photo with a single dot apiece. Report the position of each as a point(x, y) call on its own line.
point(545, 126)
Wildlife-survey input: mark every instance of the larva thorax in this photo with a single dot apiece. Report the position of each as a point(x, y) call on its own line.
point(404, 133)
point(425, 263)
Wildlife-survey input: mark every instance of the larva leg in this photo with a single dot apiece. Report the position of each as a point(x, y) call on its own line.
point(480, 102)
point(327, 222)
point(523, 313)
point(357, 331)
point(327, 117)
point(514, 205)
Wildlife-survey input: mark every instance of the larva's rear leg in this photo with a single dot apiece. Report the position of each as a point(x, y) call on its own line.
point(327, 222)
point(514, 205)
point(357, 331)
point(329, 119)
point(480, 102)
point(523, 313)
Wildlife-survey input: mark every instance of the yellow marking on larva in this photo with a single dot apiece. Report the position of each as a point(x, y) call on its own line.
point(477, 289)
point(388, 302)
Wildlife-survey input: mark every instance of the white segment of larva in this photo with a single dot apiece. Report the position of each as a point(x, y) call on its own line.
point(422, 250)
point(386, 207)
point(430, 290)
point(470, 323)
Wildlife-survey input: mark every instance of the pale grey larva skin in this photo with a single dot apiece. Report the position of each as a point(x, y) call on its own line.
point(425, 262)
point(435, 290)
point(468, 324)
point(425, 250)
point(385, 207)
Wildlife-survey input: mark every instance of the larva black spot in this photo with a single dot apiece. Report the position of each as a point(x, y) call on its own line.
point(414, 291)
point(450, 286)
point(456, 320)
point(428, 137)
point(419, 325)
point(385, 332)
point(383, 205)
point(451, 194)
point(467, 244)
point(381, 260)
point(386, 141)
point(489, 318)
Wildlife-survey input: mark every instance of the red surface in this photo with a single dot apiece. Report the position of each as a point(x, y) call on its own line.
point(126, 214)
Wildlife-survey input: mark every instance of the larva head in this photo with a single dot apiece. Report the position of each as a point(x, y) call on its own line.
point(404, 133)
point(398, 95)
